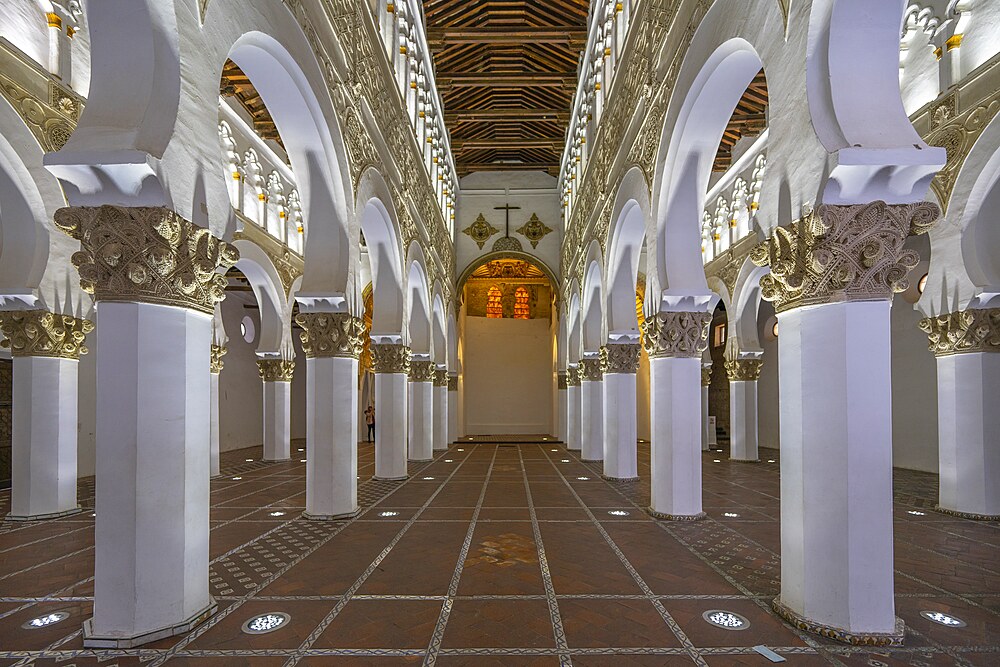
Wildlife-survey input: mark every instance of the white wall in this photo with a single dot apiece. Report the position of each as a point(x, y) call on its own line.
point(508, 376)
point(914, 392)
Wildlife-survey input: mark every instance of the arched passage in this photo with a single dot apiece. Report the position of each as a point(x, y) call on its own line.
point(379, 230)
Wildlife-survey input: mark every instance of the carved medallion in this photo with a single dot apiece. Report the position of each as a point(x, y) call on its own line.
point(534, 230)
point(39, 333)
point(331, 334)
point(963, 331)
point(480, 231)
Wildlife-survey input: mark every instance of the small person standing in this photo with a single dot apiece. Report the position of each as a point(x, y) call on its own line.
point(370, 420)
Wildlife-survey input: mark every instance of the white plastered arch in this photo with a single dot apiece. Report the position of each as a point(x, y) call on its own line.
point(275, 307)
point(376, 218)
point(418, 303)
point(743, 323)
point(629, 231)
point(592, 324)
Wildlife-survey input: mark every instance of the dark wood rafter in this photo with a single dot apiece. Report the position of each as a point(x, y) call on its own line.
point(507, 71)
point(749, 118)
point(236, 84)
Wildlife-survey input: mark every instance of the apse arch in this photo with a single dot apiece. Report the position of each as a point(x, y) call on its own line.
point(418, 303)
point(627, 241)
point(275, 313)
point(592, 319)
point(378, 222)
point(508, 254)
point(681, 183)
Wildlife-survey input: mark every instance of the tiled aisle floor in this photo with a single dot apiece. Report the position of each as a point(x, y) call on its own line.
point(503, 555)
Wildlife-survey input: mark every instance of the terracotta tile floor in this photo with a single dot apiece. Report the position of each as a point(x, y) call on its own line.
point(500, 553)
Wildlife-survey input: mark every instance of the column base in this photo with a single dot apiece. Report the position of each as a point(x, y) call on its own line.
point(44, 517)
point(90, 641)
point(420, 460)
point(594, 461)
point(972, 516)
point(284, 460)
point(894, 638)
point(676, 517)
point(745, 460)
point(619, 479)
point(331, 517)
point(389, 479)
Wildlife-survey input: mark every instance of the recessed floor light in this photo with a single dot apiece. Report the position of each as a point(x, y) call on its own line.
point(264, 623)
point(617, 512)
point(46, 621)
point(726, 620)
point(583, 479)
point(428, 478)
point(277, 514)
point(943, 619)
point(236, 479)
point(731, 515)
point(449, 460)
point(301, 450)
point(716, 461)
point(770, 460)
point(553, 450)
point(302, 460)
point(916, 513)
point(565, 460)
point(388, 513)
point(93, 514)
point(544, 438)
point(248, 460)
point(460, 449)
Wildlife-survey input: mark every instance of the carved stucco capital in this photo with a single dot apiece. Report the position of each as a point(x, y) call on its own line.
point(620, 358)
point(590, 369)
point(573, 376)
point(422, 370)
point(331, 334)
point(441, 377)
point(743, 370)
point(842, 253)
point(964, 331)
point(452, 383)
point(216, 363)
point(676, 334)
point(276, 370)
point(390, 358)
point(706, 376)
point(39, 333)
point(561, 380)
point(147, 254)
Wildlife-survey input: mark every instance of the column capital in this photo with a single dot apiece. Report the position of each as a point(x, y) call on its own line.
point(743, 370)
point(452, 383)
point(842, 253)
point(561, 380)
point(706, 375)
point(391, 358)
point(441, 377)
point(590, 369)
point(964, 331)
point(276, 369)
point(573, 376)
point(216, 363)
point(422, 370)
point(331, 334)
point(40, 333)
point(147, 254)
point(620, 358)
point(676, 334)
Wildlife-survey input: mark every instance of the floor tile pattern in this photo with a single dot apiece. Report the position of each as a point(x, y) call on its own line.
point(503, 551)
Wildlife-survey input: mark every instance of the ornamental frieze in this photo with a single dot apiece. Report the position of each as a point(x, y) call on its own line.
point(276, 370)
point(743, 370)
point(39, 333)
point(215, 360)
point(331, 334)
point(620, 358)
point(964, 331)
point(390, 358)
point(147, 254)
point(590, 370)
point(676, 334)
point(842, 253)
point(421, 370)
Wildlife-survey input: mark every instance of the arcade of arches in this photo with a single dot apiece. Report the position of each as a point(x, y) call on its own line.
point(569, 332)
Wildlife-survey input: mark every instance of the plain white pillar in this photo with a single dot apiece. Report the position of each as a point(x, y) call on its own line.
point(561, 409)
point(44, 438)
point(592, 420)
point(573, 425)
point(390, 425)
point(620, 430)
point(836, 469)
point(675, 449)
point(277, 408)
point(704, 418)
point(743, 420)
point(151, 542)
point(969, 434)
point(213, 456)
point(440, 415)
point(421, 421)
point(452, 409)
point(332, 452)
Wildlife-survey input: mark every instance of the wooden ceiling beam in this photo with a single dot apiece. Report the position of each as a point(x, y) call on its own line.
point(506, 79)
point(561, 115)
point(507, 36)
point(468, 167)
point(506, 144)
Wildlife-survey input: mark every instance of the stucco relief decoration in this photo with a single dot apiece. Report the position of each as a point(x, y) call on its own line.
point(480, 231)
point(620, 358)
point(391, 358)
point(507, 244)
point(452, 383)
point(148, 255)
point(331, 334)
point(590, 369)
point(743, 370)
point(441, 377)
point(561, 381)
point(957, 135)
point(276, 370)
point(573, 376)
point(422, 371)
point(963, 331)
point(842, 253)
point(215, 361)
point(534, 230)
point(706, 376)
point(39, 333)
point(676, 334)
point(51, 120)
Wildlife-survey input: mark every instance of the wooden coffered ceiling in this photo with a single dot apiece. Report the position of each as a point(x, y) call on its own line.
point(506, 71)
point(236, 84)
point(750, 118)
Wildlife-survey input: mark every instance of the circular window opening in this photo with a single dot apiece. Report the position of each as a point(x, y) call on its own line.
point(247, 329)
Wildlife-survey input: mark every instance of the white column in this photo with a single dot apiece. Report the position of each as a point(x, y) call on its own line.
point(213, 437)
point(391, 362)
point(420, 432)
point(44, 437)
point(743, 374)
point(674, 342)
point(561, 407)
point(151, 542)
point(706, 382)
point(276, 379)
point(441, 415)
point(620, 361)
point(591, 409)
point(452, 408)
point(968, 383)
point(573, 426)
